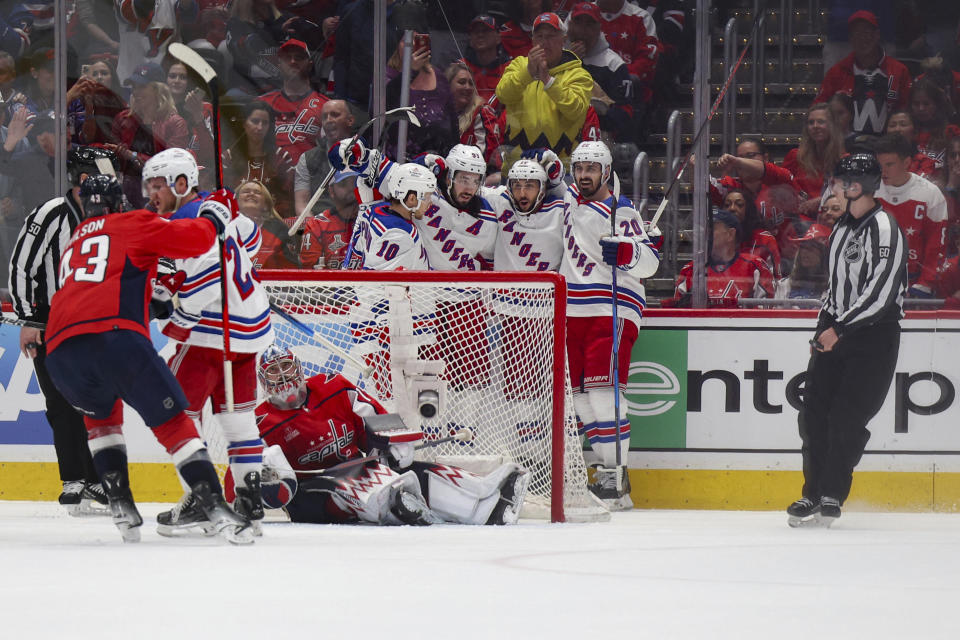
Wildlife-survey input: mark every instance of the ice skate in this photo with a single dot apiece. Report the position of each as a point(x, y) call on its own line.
point(71, 496)
point(613, 488)
point(512, 492)
point(224, 522)
point(804, 513)
point(410, 508)
point(829, 510)
point(93, 501)
point(122, 507)
point(185, 517)
point(249, 503)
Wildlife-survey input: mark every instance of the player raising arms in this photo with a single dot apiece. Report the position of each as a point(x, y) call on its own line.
point(197, 363)
point(325, 421)
point(589, 259)
point(100, 351)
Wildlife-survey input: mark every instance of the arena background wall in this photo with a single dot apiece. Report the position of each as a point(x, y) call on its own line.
point(712, 402)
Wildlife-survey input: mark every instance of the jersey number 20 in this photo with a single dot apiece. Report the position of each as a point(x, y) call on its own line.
point(98, 249)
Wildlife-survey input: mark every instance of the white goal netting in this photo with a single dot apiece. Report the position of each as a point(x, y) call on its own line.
point(481, 352)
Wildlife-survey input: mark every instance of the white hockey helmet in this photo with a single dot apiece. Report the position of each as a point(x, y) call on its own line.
point(593, 151)
point(411, 177)
point(465, 157)
point(281, 376)
point(170, 164)
point(527, 169)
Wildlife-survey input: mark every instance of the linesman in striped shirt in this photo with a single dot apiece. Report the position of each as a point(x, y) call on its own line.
point(33, 281)
point(854, 351)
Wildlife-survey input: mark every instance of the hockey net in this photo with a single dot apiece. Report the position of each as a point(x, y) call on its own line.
point(486, 351)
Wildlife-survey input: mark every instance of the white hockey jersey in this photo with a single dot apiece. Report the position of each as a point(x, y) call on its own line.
point(454, 239)
point(199, 298)
point(527, 242)
point(387, 242)
point(589, 278)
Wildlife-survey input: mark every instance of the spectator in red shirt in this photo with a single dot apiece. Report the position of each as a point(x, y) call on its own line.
point(876, 82)
point(277, 249)
point(810, 273)
point(753, 237)
point(932, 112)
point(901, 122)
point(327, 235)
point(485, 58)
point(951, 189)
point(632, 34)
point(830, 211)
point(820, 148)
point(516, 34)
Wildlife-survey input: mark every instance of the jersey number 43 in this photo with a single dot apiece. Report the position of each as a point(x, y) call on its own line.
point(95, 249)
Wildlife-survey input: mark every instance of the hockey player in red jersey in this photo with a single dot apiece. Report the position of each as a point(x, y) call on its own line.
point(100, 352)
point(325, 421)
point(197, 325)
point(920, 210)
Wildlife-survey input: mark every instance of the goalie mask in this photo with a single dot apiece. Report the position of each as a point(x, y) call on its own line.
point(281, 377)
point(524, 170)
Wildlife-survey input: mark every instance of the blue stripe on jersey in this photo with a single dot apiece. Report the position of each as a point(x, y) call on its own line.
point(217, 331)
point(216, 315)
point(200, 275)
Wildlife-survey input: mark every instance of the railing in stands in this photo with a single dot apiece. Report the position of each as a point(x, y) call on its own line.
point(641, 182)
point(730, 100)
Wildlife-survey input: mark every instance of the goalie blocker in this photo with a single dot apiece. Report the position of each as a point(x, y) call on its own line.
point(315, 424)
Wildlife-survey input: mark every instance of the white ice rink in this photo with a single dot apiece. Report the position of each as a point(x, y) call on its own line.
point(645, 574)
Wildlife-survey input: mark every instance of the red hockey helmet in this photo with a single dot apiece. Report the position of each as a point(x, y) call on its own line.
point(281, 377)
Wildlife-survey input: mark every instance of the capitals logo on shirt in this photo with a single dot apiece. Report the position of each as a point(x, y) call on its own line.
point(291, 129)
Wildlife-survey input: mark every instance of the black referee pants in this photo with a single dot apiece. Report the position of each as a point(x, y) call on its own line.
point(69, 431)
point(843, 391)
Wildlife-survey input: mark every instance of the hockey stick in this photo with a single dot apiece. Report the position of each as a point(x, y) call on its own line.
point(201, 67)
point(462, 435)
point(615, 351)
point(389, 117)
point(365, 370)
point(705, 124)
point(17, 322)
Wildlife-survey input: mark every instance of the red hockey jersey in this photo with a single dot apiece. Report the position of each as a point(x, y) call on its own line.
point(298, 121)
point(326, 430)
point(876, 92)
point(325, 241)
point(632, 34)
point(107, 271)
point(747, 276)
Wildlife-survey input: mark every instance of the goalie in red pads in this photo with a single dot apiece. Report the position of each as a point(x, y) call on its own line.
point(325, 421)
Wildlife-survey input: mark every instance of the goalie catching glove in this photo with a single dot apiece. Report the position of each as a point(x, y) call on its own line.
point(387, 433)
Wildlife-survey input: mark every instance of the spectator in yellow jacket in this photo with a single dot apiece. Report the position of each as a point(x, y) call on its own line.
point(546, 93)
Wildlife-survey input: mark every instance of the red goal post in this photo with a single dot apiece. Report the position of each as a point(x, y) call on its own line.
point(491, 344)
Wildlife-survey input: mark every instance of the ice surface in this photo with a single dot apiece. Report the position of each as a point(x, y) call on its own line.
point(645, 574)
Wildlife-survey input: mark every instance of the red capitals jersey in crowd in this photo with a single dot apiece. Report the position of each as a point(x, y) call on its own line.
point(486, 77)
point(876, 92)
point(921, 213)
point(298, 121)
point(772, 175)
point(948, 284)
point(326, 238)
point(515, 40)
point(764, 245)
point(747, 276)
point(326, 430)
point(107, 271)
point(632, 33)
point(938, 156)
point(275, 250)
point(812, 184)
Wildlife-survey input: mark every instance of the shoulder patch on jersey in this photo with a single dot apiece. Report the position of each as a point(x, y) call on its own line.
point(33, 229)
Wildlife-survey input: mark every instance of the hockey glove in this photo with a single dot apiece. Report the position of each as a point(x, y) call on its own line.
point(550, 163)
point(166, 285)
point(655, 235)
point(617, 251)
point(432, 161)
point(401, 455)
point(344, 155)
point(220, 208)
point(180, 325)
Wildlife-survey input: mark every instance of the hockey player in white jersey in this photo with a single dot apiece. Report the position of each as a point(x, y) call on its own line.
point(385, 237)
point(196, 324)
point(590, 256)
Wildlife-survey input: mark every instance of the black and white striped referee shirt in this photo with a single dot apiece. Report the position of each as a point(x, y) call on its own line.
point(868, 272)
point(36, 256)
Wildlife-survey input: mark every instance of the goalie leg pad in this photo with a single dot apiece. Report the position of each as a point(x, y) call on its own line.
point(457, 495)
point(369, 495)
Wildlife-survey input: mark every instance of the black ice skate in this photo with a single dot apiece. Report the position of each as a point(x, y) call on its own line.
point(512, 492)
point(613, 488)
point(409, 508)
point(71, 496)
point(249, 503)
point(805, 512)
point(184, 518)
point(829, 510)
point(116, 485)
point(227, 524)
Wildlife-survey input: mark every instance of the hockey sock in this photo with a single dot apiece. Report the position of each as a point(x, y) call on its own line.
point(176, 433)
point(603, 436)
point(244, 446)
point(585, 414)
point(106, 442)
point(197, 468)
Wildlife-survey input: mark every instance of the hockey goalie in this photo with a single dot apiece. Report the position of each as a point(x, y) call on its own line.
point(317, 429)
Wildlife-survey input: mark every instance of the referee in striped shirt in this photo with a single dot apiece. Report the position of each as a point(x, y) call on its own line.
point(854, 351)
point(33, 281)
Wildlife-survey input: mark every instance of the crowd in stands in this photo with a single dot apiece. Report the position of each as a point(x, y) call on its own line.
point(504, 76)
